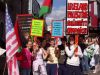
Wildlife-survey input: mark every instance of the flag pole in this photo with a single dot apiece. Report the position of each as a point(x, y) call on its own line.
point(4, 68)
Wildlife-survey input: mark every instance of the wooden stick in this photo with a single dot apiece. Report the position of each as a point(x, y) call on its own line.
point(4, 69)
point(76, 43)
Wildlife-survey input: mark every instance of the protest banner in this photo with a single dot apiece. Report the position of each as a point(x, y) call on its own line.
point(37, 28)
point(57, 28)
point(77, 19)
point(77, 16)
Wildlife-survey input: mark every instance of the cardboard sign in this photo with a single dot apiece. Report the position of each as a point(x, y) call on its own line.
point(24, 21)
point(77, 16)
point(37, 27)
point(57, 28)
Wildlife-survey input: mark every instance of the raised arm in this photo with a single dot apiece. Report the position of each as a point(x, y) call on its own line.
point(45, 54)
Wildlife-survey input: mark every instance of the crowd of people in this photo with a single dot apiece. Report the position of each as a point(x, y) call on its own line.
point(44, 56)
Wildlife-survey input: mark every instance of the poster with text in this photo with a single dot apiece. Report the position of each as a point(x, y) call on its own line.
point(57, 28)
point(77, 17)
point(37, 27)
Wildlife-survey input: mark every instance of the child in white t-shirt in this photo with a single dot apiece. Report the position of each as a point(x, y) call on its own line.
point(73, 59)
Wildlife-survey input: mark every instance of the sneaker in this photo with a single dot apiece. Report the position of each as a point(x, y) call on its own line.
point(94, 71)
point(92, 68)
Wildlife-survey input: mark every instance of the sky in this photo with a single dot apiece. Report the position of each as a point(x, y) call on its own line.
point(58, 10)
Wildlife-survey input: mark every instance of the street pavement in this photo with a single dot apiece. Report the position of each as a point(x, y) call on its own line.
point(98, 73)
point(91, 72)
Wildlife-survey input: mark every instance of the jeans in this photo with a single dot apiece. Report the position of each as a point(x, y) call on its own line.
point(73, 70)
point(85, 63)
point(51, 69)
point(26, 71)
point(62, 69)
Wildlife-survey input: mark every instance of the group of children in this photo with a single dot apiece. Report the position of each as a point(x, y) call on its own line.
point(57, 59)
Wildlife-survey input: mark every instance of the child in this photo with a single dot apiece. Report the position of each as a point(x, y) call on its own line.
point(39, 67)
point(87, 55)
point(26, 62)
point(96, 54)
point(73, 59)
point(52, 59)
point(62, 58)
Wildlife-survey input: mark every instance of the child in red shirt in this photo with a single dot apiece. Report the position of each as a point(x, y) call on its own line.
point(25, 63)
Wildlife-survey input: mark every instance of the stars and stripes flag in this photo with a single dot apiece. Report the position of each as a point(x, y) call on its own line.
point(11, 46)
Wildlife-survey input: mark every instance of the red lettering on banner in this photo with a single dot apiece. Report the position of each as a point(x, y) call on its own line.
point(77, 14)
point(78, 23)
point(77, 30)
point(77, 6)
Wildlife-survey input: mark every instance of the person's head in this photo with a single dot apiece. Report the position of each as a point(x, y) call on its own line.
point(63, 40)
point(44, 43)
point(92, 39)
point(72, 40)
point(95, 40)
point(26, 35)
point(47, 35)
point(52, 42)
point(89, 39)
point(39, 41)
point(81, 39)
point(28, 44)
point(35, 46)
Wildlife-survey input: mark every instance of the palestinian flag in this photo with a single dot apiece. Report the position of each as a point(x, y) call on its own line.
point(46, 7)
point(17, 36)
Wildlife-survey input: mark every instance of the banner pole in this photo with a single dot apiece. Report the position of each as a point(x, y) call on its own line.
point(76, 43)
point(4, 68)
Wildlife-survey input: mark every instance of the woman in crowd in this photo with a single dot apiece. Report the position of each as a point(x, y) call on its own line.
point(73, 59)
point(25, 63)
point(40, 54)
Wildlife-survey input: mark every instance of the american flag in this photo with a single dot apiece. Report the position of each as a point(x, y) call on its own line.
point(11, 46)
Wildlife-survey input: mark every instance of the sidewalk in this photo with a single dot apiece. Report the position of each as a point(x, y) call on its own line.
point(91, 73)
